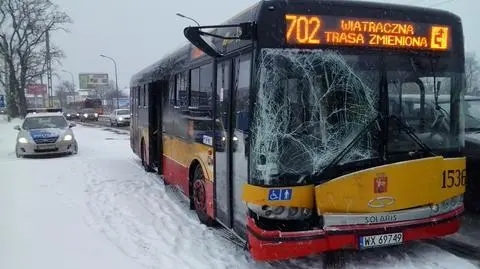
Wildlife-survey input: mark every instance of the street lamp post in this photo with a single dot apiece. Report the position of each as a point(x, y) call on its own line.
point(183, 16)
point(116, 77)
point(73, 83)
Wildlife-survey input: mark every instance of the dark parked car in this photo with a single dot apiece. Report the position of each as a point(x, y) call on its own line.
point(472, 151)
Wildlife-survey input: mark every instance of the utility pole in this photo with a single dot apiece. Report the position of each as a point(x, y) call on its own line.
point(73, 84)
point(49, 71)
point(116, 77)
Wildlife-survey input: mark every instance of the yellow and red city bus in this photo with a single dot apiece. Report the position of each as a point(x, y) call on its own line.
point(287, 125)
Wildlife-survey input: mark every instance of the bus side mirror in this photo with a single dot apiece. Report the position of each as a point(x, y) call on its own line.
point(17, 127)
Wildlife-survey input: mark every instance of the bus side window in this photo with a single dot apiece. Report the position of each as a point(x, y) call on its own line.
point(139, 96)
point(206, 90)
point(169, 107)
point(181, 91)
point(171, 96)
point(145, 96)
point(132, 100)
point(195, 86)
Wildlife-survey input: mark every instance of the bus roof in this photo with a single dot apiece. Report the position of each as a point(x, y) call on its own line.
point(261, 14)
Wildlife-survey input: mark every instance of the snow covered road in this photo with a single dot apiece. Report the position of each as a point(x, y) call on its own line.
point(99, 209)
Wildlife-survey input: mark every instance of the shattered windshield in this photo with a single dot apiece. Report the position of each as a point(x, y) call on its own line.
point(416, 85)
point(311, 103)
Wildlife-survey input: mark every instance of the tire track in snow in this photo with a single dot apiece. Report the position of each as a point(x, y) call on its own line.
point(143, 238)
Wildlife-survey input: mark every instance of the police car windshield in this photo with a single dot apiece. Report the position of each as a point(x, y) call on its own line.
point(44, 122)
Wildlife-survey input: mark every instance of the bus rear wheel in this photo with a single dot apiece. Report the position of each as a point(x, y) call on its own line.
point(200, 197)
point(145, 165)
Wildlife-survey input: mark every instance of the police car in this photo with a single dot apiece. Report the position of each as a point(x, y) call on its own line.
point(45, 132)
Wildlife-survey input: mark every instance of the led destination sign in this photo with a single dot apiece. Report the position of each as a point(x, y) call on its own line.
point(341, 31)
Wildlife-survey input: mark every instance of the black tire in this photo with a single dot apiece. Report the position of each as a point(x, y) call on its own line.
point(334, 260)
point(199, 197)
point(18, 155)
point(146, 166)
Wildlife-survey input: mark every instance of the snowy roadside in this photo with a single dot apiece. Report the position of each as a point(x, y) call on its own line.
point(99, 209)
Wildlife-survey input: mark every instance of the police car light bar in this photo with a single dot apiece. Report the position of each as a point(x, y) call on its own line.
point(44, 110)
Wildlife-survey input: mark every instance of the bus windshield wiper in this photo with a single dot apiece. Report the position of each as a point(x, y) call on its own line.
point(411, 133)
point(352, 143)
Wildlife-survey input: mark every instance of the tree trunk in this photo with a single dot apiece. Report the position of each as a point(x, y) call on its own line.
point(12, 109)
point(11, 95)
point(22, 99)
point(21, 102)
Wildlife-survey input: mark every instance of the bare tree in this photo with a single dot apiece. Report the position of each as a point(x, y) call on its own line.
point(63, 90)
point(110, 92)
point(472, 73)
point(23, 28)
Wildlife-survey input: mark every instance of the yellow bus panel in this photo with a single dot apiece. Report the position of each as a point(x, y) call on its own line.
point(391, 187)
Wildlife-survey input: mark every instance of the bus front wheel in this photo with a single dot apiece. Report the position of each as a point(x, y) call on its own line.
point(200, 197)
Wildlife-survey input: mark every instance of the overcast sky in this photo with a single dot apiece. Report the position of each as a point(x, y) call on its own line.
point(139, 32)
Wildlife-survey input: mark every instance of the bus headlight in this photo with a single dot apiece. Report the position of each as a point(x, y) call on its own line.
point(447, 205)
point(23, 140)
point(281, 212)
point(68, 138)
point(96, 114)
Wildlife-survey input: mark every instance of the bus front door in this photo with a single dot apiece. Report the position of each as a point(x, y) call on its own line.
point(231, 156)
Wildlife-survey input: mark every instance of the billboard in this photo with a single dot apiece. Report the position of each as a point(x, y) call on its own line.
point(36, 89)
point(123, 102)
point(93, 80)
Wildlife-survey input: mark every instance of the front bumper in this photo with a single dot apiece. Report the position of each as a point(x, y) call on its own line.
point(31, 149)
point(277, 245)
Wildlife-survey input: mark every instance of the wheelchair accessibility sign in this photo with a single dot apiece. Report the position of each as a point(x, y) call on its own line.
point(280, 194)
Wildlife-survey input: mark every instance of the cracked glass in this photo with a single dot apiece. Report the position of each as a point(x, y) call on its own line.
point(309, 105)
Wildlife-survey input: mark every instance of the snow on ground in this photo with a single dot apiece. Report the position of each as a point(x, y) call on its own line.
point(470, 231)
point(99, 209)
